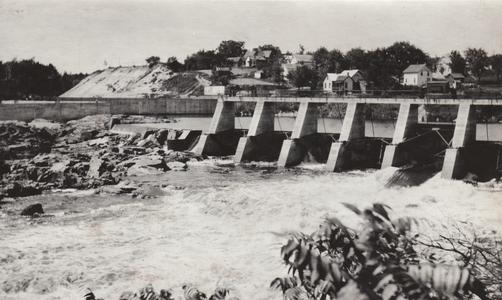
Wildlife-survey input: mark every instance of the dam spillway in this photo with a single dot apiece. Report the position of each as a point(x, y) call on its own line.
point(218, 138)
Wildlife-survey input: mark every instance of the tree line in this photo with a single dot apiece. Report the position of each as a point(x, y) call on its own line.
point(28, 79)
point(382, 66)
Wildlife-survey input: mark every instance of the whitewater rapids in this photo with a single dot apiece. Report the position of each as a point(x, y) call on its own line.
point(215, 225)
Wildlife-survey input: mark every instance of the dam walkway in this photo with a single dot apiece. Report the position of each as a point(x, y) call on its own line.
point(343, 151)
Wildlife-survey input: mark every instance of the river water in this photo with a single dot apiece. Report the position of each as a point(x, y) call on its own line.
point(215, 224)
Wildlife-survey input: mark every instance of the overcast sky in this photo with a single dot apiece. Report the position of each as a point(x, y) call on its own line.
point(81, 35)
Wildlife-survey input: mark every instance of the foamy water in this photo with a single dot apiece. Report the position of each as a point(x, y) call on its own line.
point(225, 228)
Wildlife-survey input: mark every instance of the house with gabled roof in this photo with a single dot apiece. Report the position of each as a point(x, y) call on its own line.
point(345, 81)
point(252, 57)
point(299, 59)
point(416, 75)
point(455, 80)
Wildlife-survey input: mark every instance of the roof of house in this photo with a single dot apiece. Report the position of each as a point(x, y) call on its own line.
point(341, 78)
point(303, 57)
point(350, 73)
point(250, 82)
point(265, 53)
point(415, 68)
point(234, 59)
point(456, 75)
point(338, 77)
point(331, 76)
point(249, 53)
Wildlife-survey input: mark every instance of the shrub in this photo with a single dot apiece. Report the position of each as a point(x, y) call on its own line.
point(378, 262)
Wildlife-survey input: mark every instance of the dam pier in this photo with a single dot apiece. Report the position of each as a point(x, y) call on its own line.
point(412, 139)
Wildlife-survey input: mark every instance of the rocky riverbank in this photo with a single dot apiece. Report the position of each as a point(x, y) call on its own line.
point(80, 154)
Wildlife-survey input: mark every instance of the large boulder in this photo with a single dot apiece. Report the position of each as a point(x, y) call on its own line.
point(177, 166)
point(149, 142)
point(32, 210)
point(18, 140)
point(95, 167)
point(21, 189)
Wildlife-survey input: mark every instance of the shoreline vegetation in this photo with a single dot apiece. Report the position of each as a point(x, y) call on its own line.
point(388, 258)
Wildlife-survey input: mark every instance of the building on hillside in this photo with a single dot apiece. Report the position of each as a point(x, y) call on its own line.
point(258, 74)
point(249, 58)
point(416, 75)
point(338, 83)
point(256, 58)
point(343, 84)
point(235, 61)
point(293, 61)
point(299, 59)
point(262, 58)
point(347, 81)
point(455, 79)
point(355, 74)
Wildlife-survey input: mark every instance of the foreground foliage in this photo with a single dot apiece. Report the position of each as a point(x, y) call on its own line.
point(381, 261)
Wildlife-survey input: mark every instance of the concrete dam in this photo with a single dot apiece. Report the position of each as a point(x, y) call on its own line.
point(412, 140)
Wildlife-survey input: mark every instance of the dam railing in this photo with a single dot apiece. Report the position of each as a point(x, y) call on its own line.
point(295, 146)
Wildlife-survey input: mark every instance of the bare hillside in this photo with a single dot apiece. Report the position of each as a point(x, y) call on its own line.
point(138, 82)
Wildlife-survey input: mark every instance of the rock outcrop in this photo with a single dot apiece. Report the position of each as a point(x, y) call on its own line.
point(82, 154)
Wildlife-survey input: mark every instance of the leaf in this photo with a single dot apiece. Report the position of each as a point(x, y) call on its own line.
point(447, 279)
point(352, 207)
point(380, 209)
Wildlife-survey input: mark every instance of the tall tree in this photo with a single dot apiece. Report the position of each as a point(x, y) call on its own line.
point(457, 62)
point(301, 49)
point(403, 54)
point(328, 61)
point(152, 61)
point(496, 64)
point(277, 72)
point(203, 60)
point(174, 64)
point(270, 67)
point(275, 51)
point(30, 79)
point(356, 58)
point(231, 48)
point(433, 63)
point(477, 61)
point(381, 71)
point(304, 76)
point(337, 60)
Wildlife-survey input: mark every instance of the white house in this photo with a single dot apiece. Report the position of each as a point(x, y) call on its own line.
point(337, 82)
point(258, 74)
point(345, 81)
point(300, 59)
point(416, 75)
